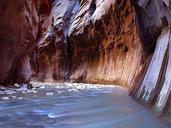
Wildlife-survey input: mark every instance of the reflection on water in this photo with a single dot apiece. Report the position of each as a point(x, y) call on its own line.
point(74, 106)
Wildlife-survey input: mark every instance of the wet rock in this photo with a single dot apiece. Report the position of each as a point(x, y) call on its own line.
point(16, 85)
point(23, 88)
point(49, 94)
point(149, 84)
point(152, 84)
point(2, 88)
point(20, 98)
point(34, 85)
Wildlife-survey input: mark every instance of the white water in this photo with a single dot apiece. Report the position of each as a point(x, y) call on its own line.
point(73, 106)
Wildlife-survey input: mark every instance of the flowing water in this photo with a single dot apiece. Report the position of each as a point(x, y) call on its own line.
point(73, 106)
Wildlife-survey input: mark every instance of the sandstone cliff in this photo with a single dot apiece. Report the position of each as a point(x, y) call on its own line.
point(124, 42)
point(152, 85)
point(18, 28)
point(89, 41)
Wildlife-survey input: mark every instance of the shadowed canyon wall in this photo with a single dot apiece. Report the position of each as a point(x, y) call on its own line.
point(18, 28)
point(152, 86)
point(125, 42)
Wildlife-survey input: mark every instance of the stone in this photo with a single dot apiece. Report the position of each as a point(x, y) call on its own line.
point(90, 42)
point(19, 28)
point(20, 98)
point(149, 84)
point(121, 42)
point(49, 94)
point(16, 85)
point(163, 96)
point(168, 3)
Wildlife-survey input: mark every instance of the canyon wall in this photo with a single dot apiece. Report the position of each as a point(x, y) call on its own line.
point(125, 42)
point(19, 26)
point(71, 40)
point(89, 41)
point(153, 85)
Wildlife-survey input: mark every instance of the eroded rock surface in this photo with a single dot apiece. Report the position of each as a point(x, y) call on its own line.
point(152, 87)
point(124, 42)
point(18, 32)
point(90, 41)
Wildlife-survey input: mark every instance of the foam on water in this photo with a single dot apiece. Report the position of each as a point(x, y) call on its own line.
point(73, 105)
point(76, 87)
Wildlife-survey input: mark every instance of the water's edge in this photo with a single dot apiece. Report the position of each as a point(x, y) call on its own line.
point(73, 105)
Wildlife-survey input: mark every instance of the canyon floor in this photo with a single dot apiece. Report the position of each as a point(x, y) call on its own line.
point(73, 106)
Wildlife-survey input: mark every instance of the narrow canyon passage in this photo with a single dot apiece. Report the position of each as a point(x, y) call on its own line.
point(105, 42)
point(73, 106)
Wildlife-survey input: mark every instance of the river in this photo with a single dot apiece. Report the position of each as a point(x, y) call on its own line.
point(73, 106)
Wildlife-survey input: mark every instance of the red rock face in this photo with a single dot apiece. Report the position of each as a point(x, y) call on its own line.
point(82, 41)
point(90, 41)
point(18, 32)
point(121, 42)
point(49, 59)
point(107, 45)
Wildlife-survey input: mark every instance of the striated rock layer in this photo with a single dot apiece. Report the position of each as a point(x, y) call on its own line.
point(18, 28)
point(106, 44)
point(102, 41)
point(124, 42)
point(94, 41)
point(153, 85)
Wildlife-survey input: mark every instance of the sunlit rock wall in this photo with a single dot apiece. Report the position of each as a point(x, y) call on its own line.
point(105, 48)
point(125, 42)
point(95, 41)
